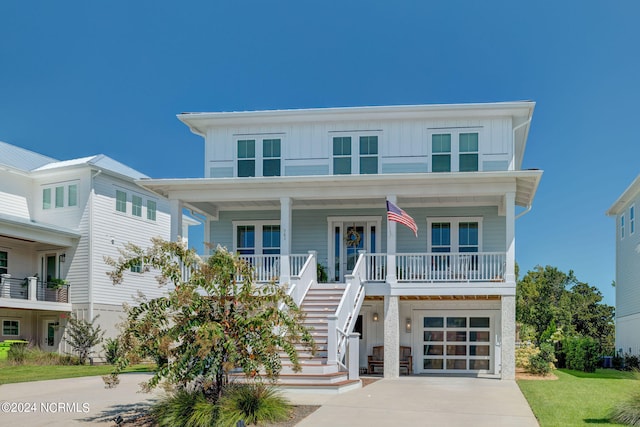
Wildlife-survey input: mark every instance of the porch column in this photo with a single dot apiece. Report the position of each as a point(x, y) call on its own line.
point(33, 288)
point(391, 247)
point(508, 329)
point(175, 209)
point(391, 337)
point(285, 240)
point(510, 267)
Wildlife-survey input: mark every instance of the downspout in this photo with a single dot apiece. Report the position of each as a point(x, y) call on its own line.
point(526, 122)
point(91, 239)
point(523, 213)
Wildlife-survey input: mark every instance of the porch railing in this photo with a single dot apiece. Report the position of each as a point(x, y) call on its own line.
point(440, 267)
point(22, 289)
point(265, 267)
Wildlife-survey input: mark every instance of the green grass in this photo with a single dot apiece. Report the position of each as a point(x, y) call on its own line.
point(25, 373)
point(578, 398)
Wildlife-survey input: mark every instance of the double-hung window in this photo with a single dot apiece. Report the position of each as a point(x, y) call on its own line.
point(59, 197)
point(246, 239)
point(72, 195)
point(121, 201)
point(355, 154)
point(454, 151)
point(454, 234)
point(4, 262)
point(632, 219)
point(46, 198)
point(270, 239)
point(259, 156)
point(136, 205)
point(622, 226)
point(151, 210)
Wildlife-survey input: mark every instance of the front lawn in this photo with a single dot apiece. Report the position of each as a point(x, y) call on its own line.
point(25, 373)
point(578, 398)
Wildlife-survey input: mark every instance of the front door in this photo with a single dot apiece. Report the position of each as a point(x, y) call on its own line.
point(48, 335)
point(349, 238)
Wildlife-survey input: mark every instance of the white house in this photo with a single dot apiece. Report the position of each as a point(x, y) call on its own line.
point(58, 220)
point(627, 270)
point(294, 189)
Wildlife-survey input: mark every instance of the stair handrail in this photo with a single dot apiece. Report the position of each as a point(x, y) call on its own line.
point(305, 278)
point(347, 310)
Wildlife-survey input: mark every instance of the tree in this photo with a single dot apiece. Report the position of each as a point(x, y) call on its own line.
point(212, 320)
point(547, 295)
point(82, 336)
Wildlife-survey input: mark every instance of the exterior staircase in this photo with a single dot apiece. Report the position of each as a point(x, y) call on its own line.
point(317, 375)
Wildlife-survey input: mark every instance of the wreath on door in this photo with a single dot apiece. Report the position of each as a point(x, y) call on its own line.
point(353, 237)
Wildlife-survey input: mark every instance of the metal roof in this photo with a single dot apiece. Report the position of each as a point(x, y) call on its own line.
point(22, 159)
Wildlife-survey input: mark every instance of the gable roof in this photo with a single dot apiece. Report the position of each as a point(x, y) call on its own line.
point(29, 161)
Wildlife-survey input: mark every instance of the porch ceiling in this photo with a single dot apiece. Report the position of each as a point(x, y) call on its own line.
point(25, 231)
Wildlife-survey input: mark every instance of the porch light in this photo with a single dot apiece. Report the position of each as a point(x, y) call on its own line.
point(407, 325)
point(62, 257)
point(375, 317)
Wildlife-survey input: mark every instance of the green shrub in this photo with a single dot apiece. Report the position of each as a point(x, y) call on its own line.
point(185, 408)
point(321, 273)
point(111, 349)
point(18, 352)
point(631, 362)
point(524, 352)
point(253, 403)
point(542, 362)
point(582, 353)
point(627, 412)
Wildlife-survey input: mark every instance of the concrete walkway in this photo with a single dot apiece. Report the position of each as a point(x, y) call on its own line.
point(427, 401)
point(407, 401)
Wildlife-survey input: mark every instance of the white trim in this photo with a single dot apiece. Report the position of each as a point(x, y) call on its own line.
point(455, 230)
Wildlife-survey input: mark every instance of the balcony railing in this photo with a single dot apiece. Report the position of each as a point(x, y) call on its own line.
point(20, 289)
point(440, 267)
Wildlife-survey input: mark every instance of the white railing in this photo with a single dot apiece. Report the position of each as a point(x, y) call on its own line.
point(297, 263)
point(303, 278)
point(451, 267)
point(342, 322)
point(266, 268)
point(441, 267)
point(375, 267)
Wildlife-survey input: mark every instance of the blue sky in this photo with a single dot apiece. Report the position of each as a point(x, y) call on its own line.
point(80, 78)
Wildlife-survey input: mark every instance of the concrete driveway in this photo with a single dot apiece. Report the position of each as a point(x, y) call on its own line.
point(72, 401)
point(407, 401)
point(427, 401)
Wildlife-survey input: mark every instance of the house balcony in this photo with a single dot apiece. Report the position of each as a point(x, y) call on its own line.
point(31, 293)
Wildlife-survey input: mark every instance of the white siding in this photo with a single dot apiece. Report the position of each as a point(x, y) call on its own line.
point(628, 265)
point(307, 146)
point(14, 194)
point(120, 228)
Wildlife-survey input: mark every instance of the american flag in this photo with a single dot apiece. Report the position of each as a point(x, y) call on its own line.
point(396, 214)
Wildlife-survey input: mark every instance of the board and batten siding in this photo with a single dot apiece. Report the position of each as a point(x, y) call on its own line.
point(628, 264)
point(404, 145)
point(112, 230)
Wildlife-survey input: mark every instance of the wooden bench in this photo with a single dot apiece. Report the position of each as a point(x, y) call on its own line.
point(376, 360)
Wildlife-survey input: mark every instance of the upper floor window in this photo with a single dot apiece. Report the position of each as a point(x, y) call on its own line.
point(151, 210)
point(454, 151)
point(622, 226)
point(246, 157)
point(364, 162)
point(59, 196)
point(259, 157)
point(342, 155)
point(136, 267)
point(4, 262)
point(270, 157)
point(121, 201)
point(632, 219)
point(136, 205)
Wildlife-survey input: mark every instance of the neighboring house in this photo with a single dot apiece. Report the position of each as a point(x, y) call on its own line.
point(293, 189)
point(627, 270)
point(58, 220)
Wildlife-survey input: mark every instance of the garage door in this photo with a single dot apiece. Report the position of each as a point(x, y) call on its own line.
point(457, 343)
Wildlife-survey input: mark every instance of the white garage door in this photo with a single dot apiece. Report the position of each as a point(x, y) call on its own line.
point(456, 342)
